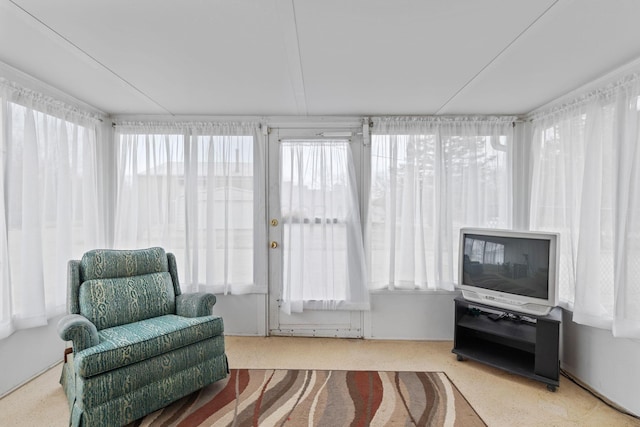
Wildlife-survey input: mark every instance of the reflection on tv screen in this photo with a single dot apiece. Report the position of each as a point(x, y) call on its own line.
point(507, 264)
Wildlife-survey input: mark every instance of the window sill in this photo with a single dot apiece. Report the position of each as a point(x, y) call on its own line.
point(413, 292)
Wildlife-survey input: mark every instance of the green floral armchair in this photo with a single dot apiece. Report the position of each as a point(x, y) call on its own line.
point(138, 343)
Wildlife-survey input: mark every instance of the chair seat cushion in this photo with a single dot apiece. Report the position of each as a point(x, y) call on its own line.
point(133, 342)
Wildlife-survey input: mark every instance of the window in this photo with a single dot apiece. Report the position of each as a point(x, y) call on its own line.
point(194, 190)
point(323, 257)
point(51, 214)
point(484, 252)
point(584, 160)
point(428, 180)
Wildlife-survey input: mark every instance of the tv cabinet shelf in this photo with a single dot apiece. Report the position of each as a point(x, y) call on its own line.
point(529, 348)
point(505, 328)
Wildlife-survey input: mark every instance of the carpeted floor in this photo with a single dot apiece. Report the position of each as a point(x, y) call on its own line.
point(250, 397)
point(499, 398)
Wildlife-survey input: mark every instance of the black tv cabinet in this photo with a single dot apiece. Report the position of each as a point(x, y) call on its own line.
point(518, 343)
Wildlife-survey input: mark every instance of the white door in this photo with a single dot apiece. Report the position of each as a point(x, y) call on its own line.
point(307, 233)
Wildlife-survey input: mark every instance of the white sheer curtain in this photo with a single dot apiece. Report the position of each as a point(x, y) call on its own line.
point(49, 203)
point(323, 253)
point(585, 159)
point(429, 178)
point(196, 189)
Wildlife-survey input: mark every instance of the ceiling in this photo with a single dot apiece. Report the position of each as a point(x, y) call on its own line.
point(308, 58)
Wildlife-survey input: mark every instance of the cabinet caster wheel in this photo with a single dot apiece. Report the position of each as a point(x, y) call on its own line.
point(551, 388)
point(459, 358)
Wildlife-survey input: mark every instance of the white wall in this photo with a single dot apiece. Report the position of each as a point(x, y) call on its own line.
point(410, 315)
point(27, 353)
point(243, 314)
point(608, 365)
point(406, 315)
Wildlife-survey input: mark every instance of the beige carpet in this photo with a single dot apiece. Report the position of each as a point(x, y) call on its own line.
point(500, 399)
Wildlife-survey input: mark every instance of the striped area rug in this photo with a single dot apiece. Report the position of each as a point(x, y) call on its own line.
point(253, 397)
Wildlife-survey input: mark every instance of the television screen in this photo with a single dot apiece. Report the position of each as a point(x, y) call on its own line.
point(518, 266)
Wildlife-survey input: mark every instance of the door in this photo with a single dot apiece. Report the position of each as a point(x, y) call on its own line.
point(315, 238)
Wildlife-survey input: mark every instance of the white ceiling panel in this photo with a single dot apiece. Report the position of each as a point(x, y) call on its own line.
point(190, 57)
point(330, 57)
point(401, 57)
point(32, 48)
point(572, 45)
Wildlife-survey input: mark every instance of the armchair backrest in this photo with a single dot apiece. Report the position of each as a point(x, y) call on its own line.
point(113, 287)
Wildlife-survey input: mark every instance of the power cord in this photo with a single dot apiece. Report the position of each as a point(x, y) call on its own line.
point(577, 382)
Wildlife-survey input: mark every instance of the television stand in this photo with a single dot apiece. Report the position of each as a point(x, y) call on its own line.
point(518, 343)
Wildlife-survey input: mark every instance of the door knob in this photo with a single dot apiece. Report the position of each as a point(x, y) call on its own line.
point(274, 245)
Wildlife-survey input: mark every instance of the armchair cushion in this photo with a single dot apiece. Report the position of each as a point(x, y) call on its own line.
point(79, 330)
point(134, 342)
point(113, 384)
point(109, 263)
point(195, 304)
point(116, 301)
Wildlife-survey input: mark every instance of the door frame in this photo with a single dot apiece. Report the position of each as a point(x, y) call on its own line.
point(348, 324)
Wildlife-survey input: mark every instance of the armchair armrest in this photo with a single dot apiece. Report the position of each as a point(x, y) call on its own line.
point(79, 330)
point(195, 304)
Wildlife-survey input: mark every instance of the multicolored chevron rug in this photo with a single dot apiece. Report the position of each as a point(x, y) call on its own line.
point(254, 397)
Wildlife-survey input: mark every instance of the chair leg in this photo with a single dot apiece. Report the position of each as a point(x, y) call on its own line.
point(67, 351)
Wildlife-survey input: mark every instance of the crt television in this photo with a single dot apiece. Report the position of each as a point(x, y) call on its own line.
point(516, 270)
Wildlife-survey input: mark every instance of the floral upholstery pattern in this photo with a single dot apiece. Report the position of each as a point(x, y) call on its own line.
point(138, 342)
